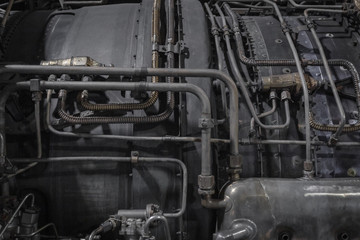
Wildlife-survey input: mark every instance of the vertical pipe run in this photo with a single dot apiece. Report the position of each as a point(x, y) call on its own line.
point(30, 195)
point(334, 137)
point(303, 82)
point(240, 80)
point(216, 74)
point(155, 31)
point(37, 99)
point(151, 220)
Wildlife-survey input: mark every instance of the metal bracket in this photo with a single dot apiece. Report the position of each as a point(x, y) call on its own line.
point(35, 85)
point(176, 48)
point(134, 157)
point(206, 184)
point(206, 123)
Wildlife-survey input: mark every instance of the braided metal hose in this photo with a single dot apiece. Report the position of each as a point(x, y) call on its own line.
point(354, 75)
point(85, 104)
point(333, 62)
point(333, 127)
point(118, 106)
point(113, 119)
point(155, 32)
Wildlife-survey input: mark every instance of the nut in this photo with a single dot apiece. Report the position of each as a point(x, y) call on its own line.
point(206, 182)
point(308, 165)
point(235, 161)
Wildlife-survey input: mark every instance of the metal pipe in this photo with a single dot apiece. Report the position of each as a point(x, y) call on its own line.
point(152, 219)
point(17, 211)
point(208, 202)
point(37, 99)
point(216, 74)
point(300, 6)
point(236, 27)
point(19, 171)
point(112, 119)
point(240, 80)
point(184, 182)
point(95, 232)
point(136, 86)
point(133, 213)
point(247, 6)
point(265, 114)
point(302, 78)
point(142, 86)
point(215, 33)
point(155, 40)
point(289, 62)
point(334, 137)
point(15, 2)
point(131, 106)
point(95, 2)
point(139, 213)
point(6, 16)
point(40, 230)
point(179, 139)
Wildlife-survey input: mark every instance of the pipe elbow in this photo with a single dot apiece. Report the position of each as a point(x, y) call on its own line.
point(208, 202)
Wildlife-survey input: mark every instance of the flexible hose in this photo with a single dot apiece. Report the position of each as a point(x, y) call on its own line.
point(333, 127)
point(113, 119)
point(289, 62)
point(114, 106)
point(155, 32)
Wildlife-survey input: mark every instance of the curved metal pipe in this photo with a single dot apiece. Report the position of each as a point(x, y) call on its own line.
point(38, 125)
point(335, 136)
point(152, 219)
point(208, 202)
point(30, 195)
point(7, 13)
point(262, 115)
point(127, 160)
point(216, 74)
point(288, 62)
point(301, 6)
point(95, 232)
point(302, 78)
point(215, 33)
point(40, 230)
point(112, 119)
point(240, 80)
point(141, 86)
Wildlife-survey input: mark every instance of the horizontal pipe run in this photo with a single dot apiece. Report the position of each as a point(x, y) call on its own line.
point(325, 6)
point(139, 86)
point(125, 160)
point(168, 72)
point(144, 86)
point(95, 2)
point(31, 235)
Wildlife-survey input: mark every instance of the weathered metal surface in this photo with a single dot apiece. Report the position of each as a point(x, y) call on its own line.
point(303, 209)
